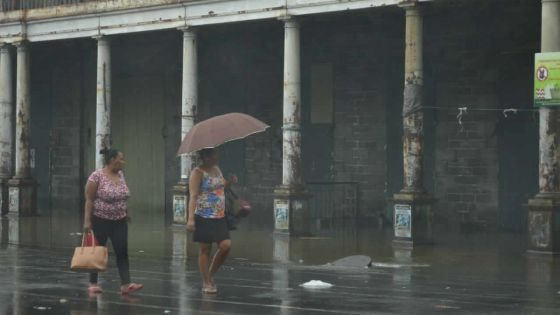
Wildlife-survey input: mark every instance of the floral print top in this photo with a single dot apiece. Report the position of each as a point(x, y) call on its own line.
point(111, 198)
point(211, 202)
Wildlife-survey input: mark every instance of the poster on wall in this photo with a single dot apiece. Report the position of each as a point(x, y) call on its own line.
point(539, 225)
point(403, 221)
point(281, 215)
point(179, 209)
point(547, 79)
point(14, 199)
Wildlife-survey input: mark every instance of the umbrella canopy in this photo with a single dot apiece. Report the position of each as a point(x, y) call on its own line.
point(217, 130)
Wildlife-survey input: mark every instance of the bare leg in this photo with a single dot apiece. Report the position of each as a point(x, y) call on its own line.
point(219, 259)
point(204, 264)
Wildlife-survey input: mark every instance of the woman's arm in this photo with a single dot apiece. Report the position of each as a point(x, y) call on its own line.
point(91, 192)
point(232, 179)
point(194, 189)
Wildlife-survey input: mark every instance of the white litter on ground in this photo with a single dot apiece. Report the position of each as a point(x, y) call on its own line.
point(397, 266)
point(316, 284)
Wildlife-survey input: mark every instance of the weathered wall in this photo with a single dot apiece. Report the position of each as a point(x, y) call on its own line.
point(362, 56)
point(241, 70)
point(468, 62)
point(68, 101)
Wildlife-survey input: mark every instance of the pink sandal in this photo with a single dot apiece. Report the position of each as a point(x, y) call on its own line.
point(133, 287)
point(94, 289)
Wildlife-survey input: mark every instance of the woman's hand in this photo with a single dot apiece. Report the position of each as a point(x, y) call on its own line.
point(190, 225)
point(232, 179)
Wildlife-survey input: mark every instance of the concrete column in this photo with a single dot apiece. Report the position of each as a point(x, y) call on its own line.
point(544, 209)
point(103, 99)
point(413, 117)
point(190, 92)
point(291, 200)
point(23, 108)
point(549, 135)
point(189, 103)
point(412, 212)
point(6, 125)
point(291, 158)
point(22, 188)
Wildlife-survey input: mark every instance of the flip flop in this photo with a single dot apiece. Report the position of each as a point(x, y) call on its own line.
point(133, 287)
point(94, 289)
point(209, 290)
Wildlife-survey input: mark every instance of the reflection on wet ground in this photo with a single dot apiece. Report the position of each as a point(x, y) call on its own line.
point(479, 273)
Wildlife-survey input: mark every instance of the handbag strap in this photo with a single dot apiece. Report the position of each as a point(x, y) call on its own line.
point(92, 238)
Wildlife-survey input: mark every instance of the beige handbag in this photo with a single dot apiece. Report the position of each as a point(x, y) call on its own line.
point(89, 258)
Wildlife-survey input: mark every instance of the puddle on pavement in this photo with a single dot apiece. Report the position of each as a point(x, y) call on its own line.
point(254, 242)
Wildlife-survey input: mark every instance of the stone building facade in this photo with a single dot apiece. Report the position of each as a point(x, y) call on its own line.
point(479, 164)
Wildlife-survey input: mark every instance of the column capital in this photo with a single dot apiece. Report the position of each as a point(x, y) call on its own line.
point(289, 19)
point(188, 32)
point(412, 7)
point(5, 48)
point(21, 43)
point(188, 29)
point(102, 39)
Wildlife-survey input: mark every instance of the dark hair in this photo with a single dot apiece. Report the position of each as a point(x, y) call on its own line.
point(109, 154)
point(206, 153)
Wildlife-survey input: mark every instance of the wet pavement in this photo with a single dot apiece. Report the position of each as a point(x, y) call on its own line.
point(484, 273)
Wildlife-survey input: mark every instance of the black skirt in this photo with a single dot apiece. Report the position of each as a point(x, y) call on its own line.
point(210, 231)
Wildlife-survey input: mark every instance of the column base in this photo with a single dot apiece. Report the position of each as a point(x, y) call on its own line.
point(291, 211)
point(180, 203)
point(4, 201)
point(22, 197)
point(412, 219)
point(281, 247)
point(544, 224)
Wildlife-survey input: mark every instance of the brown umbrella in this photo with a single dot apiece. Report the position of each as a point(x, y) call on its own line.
point(217, 130)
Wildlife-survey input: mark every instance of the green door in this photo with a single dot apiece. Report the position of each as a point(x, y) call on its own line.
point(41, 130)
point(137, 127)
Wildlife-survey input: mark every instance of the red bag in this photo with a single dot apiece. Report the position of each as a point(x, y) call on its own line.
point(245, 208)
point(90, 240)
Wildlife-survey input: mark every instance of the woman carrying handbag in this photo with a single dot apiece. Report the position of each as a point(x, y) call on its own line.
point(106, 214)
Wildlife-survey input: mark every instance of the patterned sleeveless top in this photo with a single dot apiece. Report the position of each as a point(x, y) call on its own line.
point(111, 198)
point(211, 202)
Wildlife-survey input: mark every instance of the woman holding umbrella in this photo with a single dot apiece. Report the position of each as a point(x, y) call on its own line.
point(207, 216)
point(206, 213)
